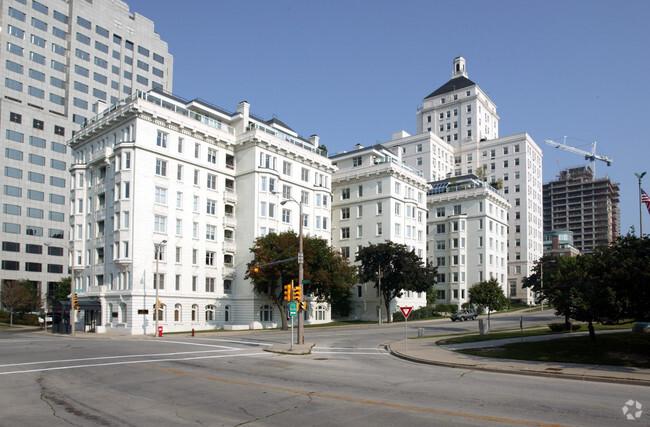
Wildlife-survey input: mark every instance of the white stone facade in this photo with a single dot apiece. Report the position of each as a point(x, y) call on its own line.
point(199, 181)
point(377, 198)
point(467, 141)
point(468, 236)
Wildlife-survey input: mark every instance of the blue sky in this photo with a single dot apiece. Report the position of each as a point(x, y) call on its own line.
point(355, 71)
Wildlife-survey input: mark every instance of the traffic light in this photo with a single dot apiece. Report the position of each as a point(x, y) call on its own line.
point(254, 270)
point(303, 305)
point(297, 293)
point(287, 292)
point(159, 304)
point(75, 303)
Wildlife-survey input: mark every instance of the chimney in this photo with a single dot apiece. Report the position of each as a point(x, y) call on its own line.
point(314, 140)
point(358, 147)
point(244, 108)
point(556, 242)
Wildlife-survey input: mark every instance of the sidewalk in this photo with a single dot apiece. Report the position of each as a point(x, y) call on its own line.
point(425, 350)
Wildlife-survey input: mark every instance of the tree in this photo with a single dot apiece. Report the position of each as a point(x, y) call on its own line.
point(582, 287)
point(556, 285)
point(330, 276)
point(488, 294)
point(15, 296)
point(62, 289)
point(401, 270)
point(631, 263)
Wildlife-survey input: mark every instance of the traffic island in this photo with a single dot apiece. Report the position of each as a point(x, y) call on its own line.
point(296, 349)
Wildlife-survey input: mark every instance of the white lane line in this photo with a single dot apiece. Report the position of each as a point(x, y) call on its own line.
point(236, 342)
point(196, 343)
point(111, 357)
point(92, 365)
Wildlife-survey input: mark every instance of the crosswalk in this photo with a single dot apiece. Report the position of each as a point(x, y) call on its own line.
point(162, 350)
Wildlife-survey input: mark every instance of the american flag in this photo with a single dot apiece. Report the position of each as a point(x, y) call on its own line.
point(645, 199)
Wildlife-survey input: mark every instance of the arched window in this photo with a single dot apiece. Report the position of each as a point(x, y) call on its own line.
point(266, 313)
point(161, 312)
point(195, 312)
point(227, 313)
point(177, 313)
point(209, 313)
point(123, 312)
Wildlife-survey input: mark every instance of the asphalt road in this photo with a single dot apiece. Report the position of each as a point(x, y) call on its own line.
point(228, 379)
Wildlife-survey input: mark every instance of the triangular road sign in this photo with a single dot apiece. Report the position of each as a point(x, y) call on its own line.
point(406, 311)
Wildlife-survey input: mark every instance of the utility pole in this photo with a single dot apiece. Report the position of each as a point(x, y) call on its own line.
point(301, 260)
point(379, 291)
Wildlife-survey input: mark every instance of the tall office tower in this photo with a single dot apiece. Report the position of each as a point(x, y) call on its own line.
point(459, 135)
point(377, 198)
point(468, 236)
point(168, 197)
point(61, 60)
point(586, 206)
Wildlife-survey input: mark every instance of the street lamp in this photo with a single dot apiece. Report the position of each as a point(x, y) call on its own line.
point(301, 326)
point(640, 177)
point(157, 283)
point(379, 290)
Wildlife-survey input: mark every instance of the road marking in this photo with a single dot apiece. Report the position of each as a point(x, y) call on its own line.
point(236, 342)
point(112, 357)
point(195, 343)
point(356, 400)
point(131, 362)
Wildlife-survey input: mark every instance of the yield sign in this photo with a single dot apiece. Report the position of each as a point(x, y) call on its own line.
point(406, 311)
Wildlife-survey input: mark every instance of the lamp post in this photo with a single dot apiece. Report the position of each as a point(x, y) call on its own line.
point(640, 177)
point(301, 259)
point(72, 284)
point(379, 290)
point(157, 283)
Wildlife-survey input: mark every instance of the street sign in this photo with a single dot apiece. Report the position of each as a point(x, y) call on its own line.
point(406, 311)
point(293, 308)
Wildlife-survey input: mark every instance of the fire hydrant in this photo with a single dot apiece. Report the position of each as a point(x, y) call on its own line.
point(159, 331)
point(192, 331)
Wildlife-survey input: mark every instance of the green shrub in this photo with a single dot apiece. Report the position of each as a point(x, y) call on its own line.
point(426, 312)
point(562, 327)
point(20, 318)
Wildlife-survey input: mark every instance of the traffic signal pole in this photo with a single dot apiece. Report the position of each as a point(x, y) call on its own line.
point(301, 259)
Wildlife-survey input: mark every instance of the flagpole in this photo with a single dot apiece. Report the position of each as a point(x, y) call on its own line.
point(640, 177)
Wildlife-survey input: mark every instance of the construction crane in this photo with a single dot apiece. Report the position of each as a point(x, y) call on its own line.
point(591, 156)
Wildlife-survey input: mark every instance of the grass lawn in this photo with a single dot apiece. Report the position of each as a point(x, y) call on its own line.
point(515, 333)
point(620, 349)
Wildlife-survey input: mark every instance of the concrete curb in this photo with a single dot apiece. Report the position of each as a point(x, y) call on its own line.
point(516, 371)
point(298, 349)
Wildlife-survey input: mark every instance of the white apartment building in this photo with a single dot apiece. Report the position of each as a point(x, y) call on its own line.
point(201, 183)
point(61, 59)
point(459, 134)
point(467, 236)
point(377, 198)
